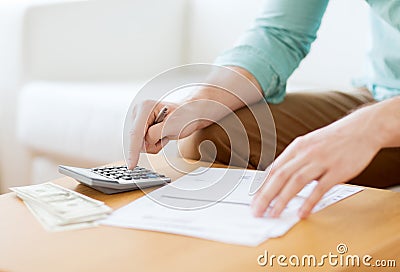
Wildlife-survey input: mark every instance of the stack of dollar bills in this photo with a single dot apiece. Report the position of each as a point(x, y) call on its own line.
point(58, 208)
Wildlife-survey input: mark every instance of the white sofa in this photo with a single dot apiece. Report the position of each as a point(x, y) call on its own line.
point(69, 69)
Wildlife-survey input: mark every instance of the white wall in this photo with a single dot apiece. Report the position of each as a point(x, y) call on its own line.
point(104, 40)
point(338, 54)
point(12, 154)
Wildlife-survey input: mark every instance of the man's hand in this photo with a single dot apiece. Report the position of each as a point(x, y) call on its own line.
point(330, 155)
point(180, 121)
point(205, 106)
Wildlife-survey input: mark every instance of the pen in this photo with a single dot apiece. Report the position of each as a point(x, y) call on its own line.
point(161, 115)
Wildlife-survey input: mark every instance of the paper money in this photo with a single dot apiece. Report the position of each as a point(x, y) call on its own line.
point(51, 223)
point(58, 208)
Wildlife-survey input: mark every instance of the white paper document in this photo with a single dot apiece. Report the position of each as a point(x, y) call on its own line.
point(214, 204)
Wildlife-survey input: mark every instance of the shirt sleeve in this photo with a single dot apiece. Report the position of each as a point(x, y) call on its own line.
point(274, 46)
point(388, 10)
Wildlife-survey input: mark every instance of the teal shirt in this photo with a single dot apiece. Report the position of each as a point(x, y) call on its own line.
point(282, 35)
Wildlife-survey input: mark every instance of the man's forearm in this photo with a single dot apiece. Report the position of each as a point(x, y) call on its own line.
point(387, 116)
point(238, 91)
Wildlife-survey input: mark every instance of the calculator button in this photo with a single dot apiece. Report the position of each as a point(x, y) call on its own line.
point(126, 177)
point(123, 175)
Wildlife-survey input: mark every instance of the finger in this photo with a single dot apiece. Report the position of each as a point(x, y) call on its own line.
point(289, 153)
point(266, 193)
point(279, 162)
point(279, 173)
point(268, 172)
point(325, 183)
point(276, 182)
point(135, 144)
point(142, 117)
point(154, 133)
point(154, 149)
point(296, 183)
point(164, 141)
point(271, 170)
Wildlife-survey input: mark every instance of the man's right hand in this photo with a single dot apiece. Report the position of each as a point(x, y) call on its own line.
point(205, 106)
point(181, 120)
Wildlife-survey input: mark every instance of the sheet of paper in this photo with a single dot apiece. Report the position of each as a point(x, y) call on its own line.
point(189, 207)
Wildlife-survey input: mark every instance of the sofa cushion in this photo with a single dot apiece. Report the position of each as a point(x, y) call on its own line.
point(82, 121)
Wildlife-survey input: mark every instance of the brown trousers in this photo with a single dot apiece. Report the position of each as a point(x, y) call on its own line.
point(252, 145)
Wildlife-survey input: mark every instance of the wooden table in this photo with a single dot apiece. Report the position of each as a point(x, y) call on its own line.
point(368, 223)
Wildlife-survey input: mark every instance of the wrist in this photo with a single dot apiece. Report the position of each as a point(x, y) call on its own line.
point(228, 91)
point(391, 122)
point(386, 121)
point(206, 103)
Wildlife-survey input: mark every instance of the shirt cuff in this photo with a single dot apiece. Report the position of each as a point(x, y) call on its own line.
point(249, 58)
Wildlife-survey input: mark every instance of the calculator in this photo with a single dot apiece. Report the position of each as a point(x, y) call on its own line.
point(115, 179)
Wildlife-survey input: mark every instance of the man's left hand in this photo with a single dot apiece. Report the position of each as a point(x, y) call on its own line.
point(330, 155)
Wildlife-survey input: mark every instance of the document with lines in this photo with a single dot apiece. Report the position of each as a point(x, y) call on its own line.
point(214, 204)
